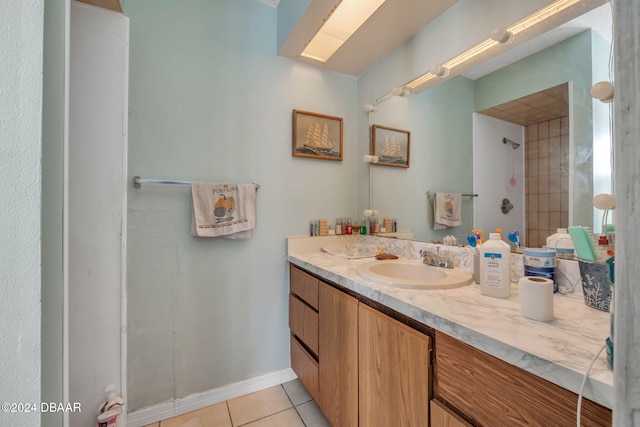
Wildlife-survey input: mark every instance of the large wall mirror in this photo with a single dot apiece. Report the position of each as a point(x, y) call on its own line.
point(526, 130)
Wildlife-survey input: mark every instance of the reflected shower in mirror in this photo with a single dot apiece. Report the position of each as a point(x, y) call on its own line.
point(541, 121)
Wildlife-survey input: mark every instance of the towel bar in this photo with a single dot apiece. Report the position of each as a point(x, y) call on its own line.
point(137, 182)
point(471, 195)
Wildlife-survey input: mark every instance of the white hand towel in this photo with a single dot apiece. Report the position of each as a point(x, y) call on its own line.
point(447, 210)
point(223, 210)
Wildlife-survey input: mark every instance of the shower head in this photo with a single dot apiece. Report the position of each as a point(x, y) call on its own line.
point(514, 145)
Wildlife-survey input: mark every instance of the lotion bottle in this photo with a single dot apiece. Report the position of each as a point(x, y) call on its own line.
point(495, 267)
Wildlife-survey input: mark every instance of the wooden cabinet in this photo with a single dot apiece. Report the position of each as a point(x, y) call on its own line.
point(368, 369)
point(441, 416)
point(304, 286)
point(453, 372)
point(493, 392)
point(338, 356)
point(304, 324)
point(305, 366)
point(394, 372)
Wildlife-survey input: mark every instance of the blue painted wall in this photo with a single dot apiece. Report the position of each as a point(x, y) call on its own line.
point(211, 101)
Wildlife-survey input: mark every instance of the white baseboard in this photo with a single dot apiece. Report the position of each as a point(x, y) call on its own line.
point(176, 407)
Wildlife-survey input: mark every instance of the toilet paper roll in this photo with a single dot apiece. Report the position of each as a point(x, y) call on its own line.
point(536, 298)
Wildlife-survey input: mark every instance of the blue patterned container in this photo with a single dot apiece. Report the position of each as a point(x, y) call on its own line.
point(596, 287)
point(540, 262)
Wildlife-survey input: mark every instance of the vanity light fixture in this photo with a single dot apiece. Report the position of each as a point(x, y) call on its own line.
point(368, 158)
point(343, 20)
point(552, 15)
point(400, 91)
point(440, 71)
point(501, 35)
point(602, 91)
point(370, 108)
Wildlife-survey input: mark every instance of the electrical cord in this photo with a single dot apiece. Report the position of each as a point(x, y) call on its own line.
point(562, 290)
point(584, 381)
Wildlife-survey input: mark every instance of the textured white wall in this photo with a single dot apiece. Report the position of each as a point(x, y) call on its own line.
point(97, 153)
point(20, 178)
point(53, 136)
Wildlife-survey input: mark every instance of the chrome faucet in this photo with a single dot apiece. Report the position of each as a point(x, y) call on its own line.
point(434, 259)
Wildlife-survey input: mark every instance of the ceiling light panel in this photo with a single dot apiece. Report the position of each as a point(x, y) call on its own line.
point(344, 20)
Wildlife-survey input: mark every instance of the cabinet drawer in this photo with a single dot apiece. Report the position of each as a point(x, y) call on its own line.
point(494, 392)
point(305, 367)
point(303, 322)
point(304, 285)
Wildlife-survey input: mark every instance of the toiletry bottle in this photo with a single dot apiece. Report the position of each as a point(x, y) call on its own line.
point(311, 228)
point(363, 226)
point(605, 248)
point(373, 226)
point(347, 226)
point(339, 226)
point(495, 267)
point(561, 242)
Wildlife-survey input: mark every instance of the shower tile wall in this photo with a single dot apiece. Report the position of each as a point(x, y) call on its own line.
point(547, 179)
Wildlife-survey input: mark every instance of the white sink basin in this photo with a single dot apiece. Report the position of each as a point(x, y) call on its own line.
point(414, 274)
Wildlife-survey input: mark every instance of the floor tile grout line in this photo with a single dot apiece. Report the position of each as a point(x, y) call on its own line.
point(300, 415)
point(295, 407)
point(226, 403)
point(290, 398)
point(267, 416)
point(298, 405)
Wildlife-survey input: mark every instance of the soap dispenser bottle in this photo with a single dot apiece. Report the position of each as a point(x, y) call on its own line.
point(495, 267)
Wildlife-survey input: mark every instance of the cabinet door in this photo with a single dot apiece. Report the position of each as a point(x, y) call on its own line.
point(394, 372)
point(338, 357)
point(441, 416)
point(453, 378)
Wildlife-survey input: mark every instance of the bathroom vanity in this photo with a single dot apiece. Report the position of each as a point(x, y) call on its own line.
point(362, 366)
point(371, 354)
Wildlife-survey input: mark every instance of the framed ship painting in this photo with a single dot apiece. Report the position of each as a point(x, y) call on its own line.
point(390, 145)
point(317, 136)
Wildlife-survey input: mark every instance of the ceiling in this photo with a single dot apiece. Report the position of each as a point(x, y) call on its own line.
point(395, 22)
point(549, 104)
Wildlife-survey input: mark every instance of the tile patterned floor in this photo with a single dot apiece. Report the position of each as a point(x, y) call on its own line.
point(285, 405)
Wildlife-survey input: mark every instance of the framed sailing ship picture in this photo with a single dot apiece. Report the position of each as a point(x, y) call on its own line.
point(390, 145)
point(317, 136)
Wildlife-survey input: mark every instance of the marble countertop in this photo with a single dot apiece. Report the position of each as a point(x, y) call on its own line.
point(559, 351)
